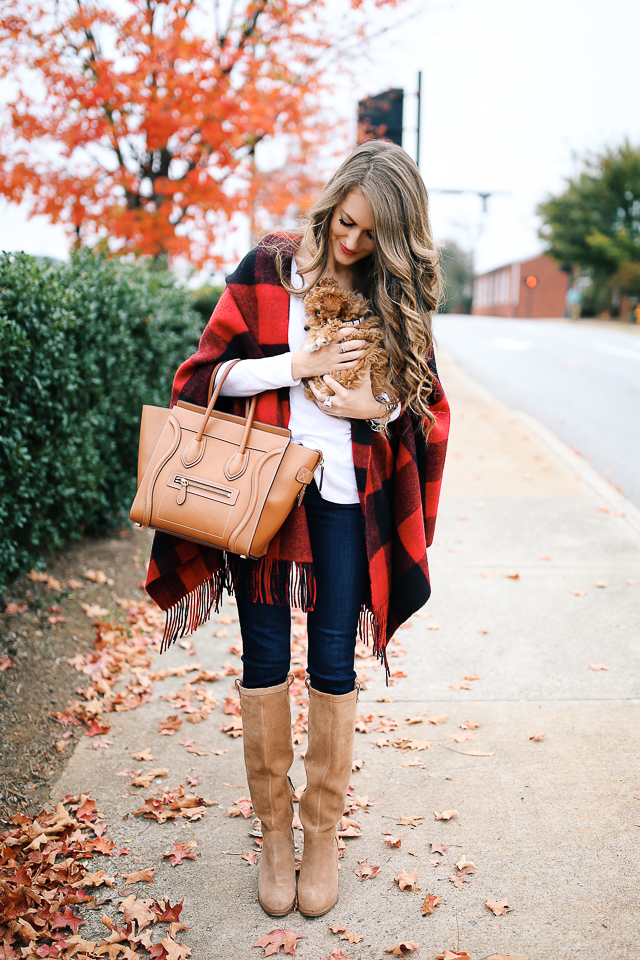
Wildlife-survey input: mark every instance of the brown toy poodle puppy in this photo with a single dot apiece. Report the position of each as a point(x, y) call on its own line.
point(328, 308)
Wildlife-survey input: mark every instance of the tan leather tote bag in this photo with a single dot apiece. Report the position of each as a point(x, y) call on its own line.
point(226, 481)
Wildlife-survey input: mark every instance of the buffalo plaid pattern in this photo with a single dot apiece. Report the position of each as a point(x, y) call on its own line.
point(398, 480)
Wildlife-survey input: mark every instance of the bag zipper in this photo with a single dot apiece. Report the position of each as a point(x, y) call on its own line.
point(186, 482)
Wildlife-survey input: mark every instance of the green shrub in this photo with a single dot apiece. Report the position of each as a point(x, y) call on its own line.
point(205, 299)
point(82, 346)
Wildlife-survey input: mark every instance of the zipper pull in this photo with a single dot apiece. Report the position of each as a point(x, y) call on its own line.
point(321, 475)
point(182, 494)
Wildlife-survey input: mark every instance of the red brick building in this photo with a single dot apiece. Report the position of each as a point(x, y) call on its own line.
point(530, 288)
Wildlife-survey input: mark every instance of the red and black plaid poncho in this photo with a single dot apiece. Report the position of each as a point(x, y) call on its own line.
point(398, 481)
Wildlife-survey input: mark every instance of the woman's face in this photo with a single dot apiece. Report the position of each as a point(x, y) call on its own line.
point(351, 229)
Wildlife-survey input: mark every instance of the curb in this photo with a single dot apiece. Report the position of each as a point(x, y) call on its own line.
point(569, 458)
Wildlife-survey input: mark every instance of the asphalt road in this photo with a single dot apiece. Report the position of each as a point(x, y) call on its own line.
point(581, 380)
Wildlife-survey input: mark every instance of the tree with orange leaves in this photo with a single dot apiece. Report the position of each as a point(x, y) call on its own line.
point(137, 122)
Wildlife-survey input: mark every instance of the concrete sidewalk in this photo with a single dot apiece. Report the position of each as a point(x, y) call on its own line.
point(535, 577)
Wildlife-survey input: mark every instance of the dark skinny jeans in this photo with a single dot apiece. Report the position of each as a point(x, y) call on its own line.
point(340, 566)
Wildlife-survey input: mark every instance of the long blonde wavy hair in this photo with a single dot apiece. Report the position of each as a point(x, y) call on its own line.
point(401, 278)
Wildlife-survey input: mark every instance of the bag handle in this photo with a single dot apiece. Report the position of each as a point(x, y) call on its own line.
point(238, 461)
point(224, 376)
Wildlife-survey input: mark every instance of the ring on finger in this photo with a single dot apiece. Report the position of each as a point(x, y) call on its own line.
point(342, 350)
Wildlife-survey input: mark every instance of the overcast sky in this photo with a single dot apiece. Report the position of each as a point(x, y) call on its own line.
point(512, 89)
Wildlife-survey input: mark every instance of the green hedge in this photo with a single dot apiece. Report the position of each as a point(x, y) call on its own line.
point(82, 346)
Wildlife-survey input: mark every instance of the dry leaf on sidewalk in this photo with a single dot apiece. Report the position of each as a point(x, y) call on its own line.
point(402, 948)
point(272, 942)
point(598, 666)
point(241, 807)
point(365, 871)
point(499, 909)
point(446, 815)
point(415, 821)
point(538, 737)
point(346, 934)
point(393, 841)
point(431, 901)
point(180, 852)
point(139, 876)
point(168, 727)
point(406, 881)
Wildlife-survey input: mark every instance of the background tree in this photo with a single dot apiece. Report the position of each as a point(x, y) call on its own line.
point(457, 268)
point(595, 223)
point(139, 122)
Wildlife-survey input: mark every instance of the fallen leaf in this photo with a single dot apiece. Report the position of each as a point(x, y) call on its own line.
point(139, 876)
point(13, 609)
point(272, 941)
point(146, 779)
point(346, 934)
point(411, 821)
point(138, 910)
point(472, 676)
point(37, 577)
point(512, 576)
point(180, 852)
point(502, 956)
point(446, 815)
point(438, 718)
point(96, 729)
point(460, 685)
point(438, 848)
point(393, 841)
point(470, 725)
point(74, 584)
point(6, 664)
point(413, 763)
point(461, 737)
point(499, 909)
point(145, 755)
point(349, 828)
point(94, 611)
point(168, 727)
point(598, 666)
point(430, 904)
point(58, 618)
point(98, 576)
point(578, 593)
point(538, 737)
point(364, 870)
point(403, 947)
point(241, 807)
point(101, 742)
point(452, 955)
point(406, 881)
point(601, 584)
point(233, 727)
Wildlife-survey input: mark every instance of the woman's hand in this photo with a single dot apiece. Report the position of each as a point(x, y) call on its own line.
point(329, 357)
point(357, 404)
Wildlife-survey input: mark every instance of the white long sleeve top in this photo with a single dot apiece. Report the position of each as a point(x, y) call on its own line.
point(308, 424)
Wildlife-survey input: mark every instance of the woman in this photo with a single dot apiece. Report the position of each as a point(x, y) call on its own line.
point(354, 553)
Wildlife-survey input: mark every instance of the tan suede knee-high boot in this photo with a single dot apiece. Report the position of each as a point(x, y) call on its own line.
point(268, 755)
point(328, 762)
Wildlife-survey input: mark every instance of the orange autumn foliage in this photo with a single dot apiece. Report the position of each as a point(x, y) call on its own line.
point(137, 123)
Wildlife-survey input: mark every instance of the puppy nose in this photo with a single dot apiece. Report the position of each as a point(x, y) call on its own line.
point(307, 328)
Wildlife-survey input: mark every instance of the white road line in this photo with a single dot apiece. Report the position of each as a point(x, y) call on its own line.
point(617, 351)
